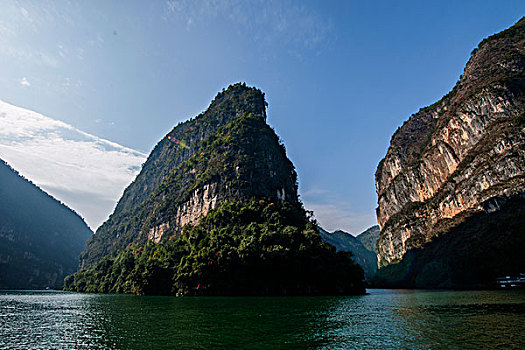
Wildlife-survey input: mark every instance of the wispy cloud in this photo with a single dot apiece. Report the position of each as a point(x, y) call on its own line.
point(24, 12)
point(268, 22)
point(86, 172)
point(62, 50)
point(332, 213)
point(24, 82)
point(22, 25)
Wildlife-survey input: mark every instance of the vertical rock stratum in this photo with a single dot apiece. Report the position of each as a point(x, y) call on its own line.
point(458, 159)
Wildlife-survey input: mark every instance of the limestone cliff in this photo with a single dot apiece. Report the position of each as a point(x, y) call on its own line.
point(461, 157)
point(226, 153)
point(215, 211)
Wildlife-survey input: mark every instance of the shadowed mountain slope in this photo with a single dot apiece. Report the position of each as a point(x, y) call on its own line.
point(40, 238)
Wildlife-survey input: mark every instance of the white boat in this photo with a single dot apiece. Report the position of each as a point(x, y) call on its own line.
point(509, 282)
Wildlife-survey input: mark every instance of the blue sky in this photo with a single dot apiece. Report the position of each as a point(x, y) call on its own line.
point(339, 76)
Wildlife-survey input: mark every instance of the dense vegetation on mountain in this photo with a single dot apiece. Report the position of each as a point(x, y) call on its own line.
point(345, 242)
point(458, 161)
point(227, 152)
point(40, 238)
point(215, 211)
point(248, 248)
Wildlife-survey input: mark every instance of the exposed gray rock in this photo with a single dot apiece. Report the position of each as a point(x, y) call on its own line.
point(461, 156)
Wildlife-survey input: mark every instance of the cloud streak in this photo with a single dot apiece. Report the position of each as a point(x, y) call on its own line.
point(84, 171)
point(268, 22)
point(89, 173)
point(333, 213)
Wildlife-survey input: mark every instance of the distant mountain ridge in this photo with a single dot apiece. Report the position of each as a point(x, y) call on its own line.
point(346, 242)
point(369, 238)
point(40, 238)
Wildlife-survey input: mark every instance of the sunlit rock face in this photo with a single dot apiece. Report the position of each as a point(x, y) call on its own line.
point(461, 156)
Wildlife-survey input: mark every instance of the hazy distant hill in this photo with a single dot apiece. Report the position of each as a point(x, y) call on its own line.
point(344, 241)
point(369, 238)
point(40, 238)
point(85, 171)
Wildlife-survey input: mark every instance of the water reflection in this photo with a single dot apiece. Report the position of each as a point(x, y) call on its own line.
point(43, 320)
point(427, 320)
point(467, 320)
point(210, 323)
point(381, 320)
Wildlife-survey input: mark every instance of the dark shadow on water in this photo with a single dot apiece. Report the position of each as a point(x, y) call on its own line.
point(133, 322)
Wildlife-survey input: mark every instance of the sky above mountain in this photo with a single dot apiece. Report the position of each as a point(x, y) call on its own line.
point(339, 76)
point(84, 171)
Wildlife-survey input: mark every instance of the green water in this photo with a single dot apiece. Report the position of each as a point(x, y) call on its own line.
point(384, 319)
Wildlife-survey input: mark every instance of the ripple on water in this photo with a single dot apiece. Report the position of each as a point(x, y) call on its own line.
point(384, 319)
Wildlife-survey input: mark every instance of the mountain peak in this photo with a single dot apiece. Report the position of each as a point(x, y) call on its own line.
point(227, 152)
point(215, 211)
point(241, 100)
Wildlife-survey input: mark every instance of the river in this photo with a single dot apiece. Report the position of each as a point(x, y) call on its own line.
point(383, 319)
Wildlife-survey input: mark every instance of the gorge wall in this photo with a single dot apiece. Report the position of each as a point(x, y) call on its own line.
point(461, 157)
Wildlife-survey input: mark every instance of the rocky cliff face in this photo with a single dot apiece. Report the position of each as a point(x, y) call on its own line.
point(215, 211)
point(228, 152)
point(40, 238)
point(460, 157)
